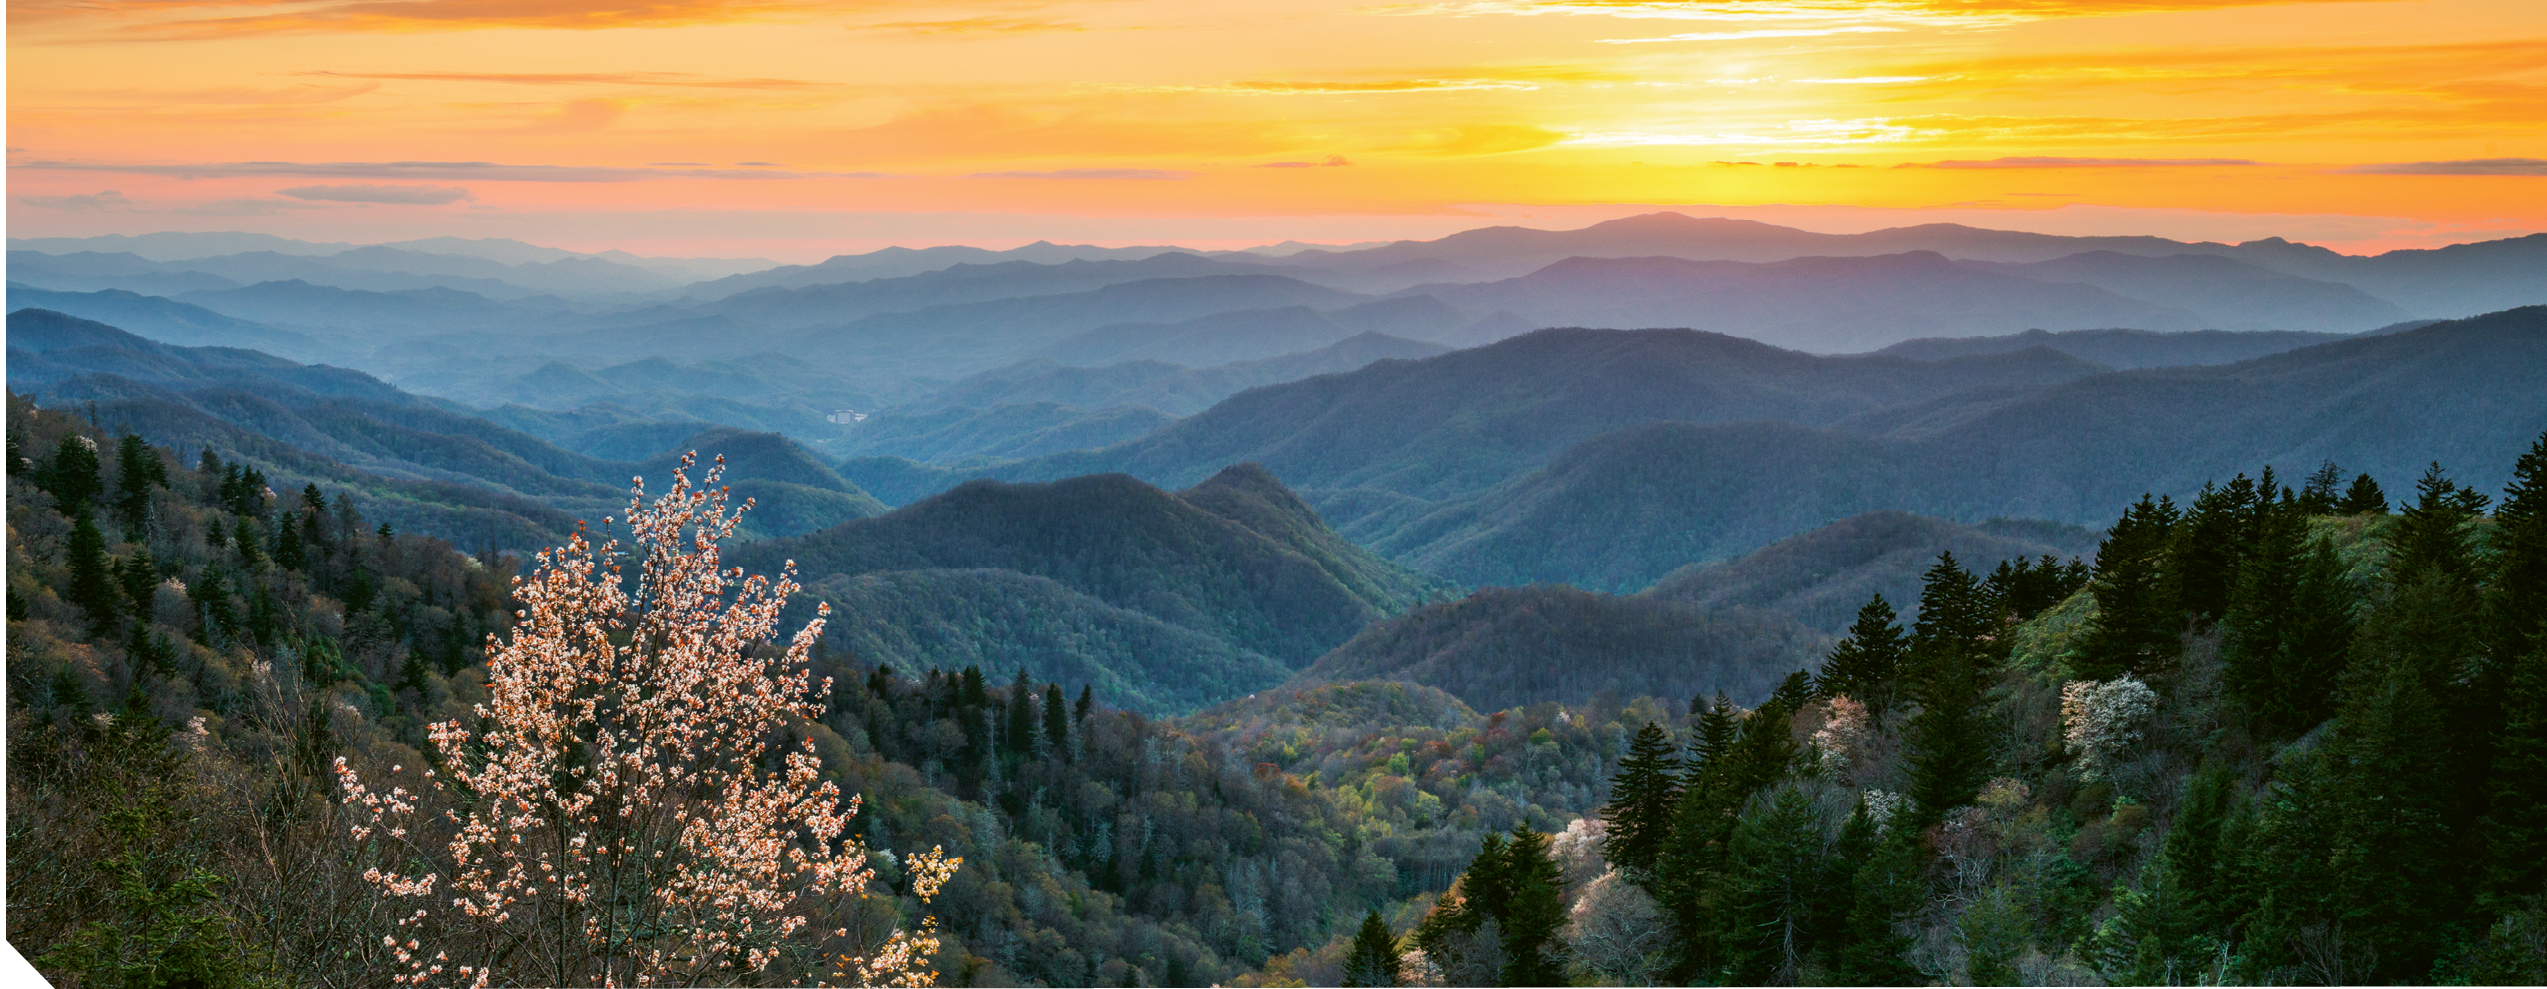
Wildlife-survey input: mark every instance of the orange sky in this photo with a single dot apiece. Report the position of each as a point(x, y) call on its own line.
point(799, 128)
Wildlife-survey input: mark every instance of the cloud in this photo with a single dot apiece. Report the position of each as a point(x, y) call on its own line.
point(2042, 162)
point(479, 171)
point(1906, 10)
point(1783, 32)
point(241, 207)
point(1333, 161)
point(673, 79)
point(1136, 174)
point(973, 25)
point(99, 203)
point(2472, 166)
point(413, 195)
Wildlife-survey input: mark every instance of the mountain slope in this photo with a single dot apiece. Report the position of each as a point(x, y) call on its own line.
point(1618, 510)
point(2121, 349)
point(1820, 577)
point(2231, 294)
point(1132, 546)
point(1509, 647)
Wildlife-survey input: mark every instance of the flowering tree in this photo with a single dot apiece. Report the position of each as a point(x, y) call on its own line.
point(2100, 721)
point(612, 818)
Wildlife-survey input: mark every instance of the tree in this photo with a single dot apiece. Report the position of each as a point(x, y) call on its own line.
point(2363, 498)
point(93, 579)
point(1866, 666)
point(2208, 546)
point(1642, 797)
point(1056, 722)
point(1777, 884)
point(2288, 627)
point(1373, 959)
point(1534, 912)
point(2137, 621)
point(138, 469)
point(71, 474)
point(2318, 496)
point(612, 817)
point(1021, 715)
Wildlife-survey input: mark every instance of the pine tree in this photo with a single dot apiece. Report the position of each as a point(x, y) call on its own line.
point(2136, 625)
point(1866, 666)
point(2206, 549)
point(1949, 740)
point(1776, 883)
point(2515, 824)
point(140, 579)
point(1373, 959)
point(1534, 913)
point(71, 474)
point(93, 583)
point(1087, 702)
point(2363, 498)
point(287, 546)
point(1642, 797)
point(1021, 715)
point(1889, 887)
point(2288, 628)
point(1056, 722)
point(138, 469)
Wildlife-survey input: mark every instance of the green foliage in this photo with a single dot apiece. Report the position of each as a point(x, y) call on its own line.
point(1642, 797)
point(1868, 664)
point(70, 474)
point(1373, 960)
point(2137, 616)
point(2363, 498)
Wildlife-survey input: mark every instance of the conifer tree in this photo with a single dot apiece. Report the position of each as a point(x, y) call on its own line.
point(1087, 702)
point(2515, 825)
point(1373, 959)
point(2288, 628)
point(287, 546)
point(2207, 547)
point(1776, 884)
point(138, 470)
point(1533, 913)
point(1056, 722)
point(93, 580)
point(1866, 666)
point(71, 474)
point(2363, 498)
point(1021, 715)
point(2136, 625)
point(140, 579)
point(1949, 740)
point(1642, 797)
point(1889, 886)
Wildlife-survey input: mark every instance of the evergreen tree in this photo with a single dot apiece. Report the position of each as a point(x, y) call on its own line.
point(1955, 616)
point(1373, 959)
point(1642, 798)
point(2206, 549)
point(1889, 887)
point(251, 554)
point(1776, 883)
point(93, 579)
point(1866, 666)
point(1021, 715)
point(2136, 625)
point(1087, 701)
point(2363, 498)
point(1534, 913)
point(140, 579)
point(138, 469)
point(1949, 740)
point(71, 474)
point(2517, 597)
point(2515, 825)
point(1056, 722)
point(211, 596)
point(2288, 628)
point(287, 547)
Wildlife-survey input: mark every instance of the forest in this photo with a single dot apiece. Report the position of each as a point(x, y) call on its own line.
point(2286, 732)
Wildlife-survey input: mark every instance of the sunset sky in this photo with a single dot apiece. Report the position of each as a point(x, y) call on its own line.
point(795, 130)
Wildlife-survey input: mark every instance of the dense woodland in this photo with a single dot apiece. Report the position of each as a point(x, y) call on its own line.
point(2281, 733)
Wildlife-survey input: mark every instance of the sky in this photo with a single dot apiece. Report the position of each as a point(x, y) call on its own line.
point(797, 129)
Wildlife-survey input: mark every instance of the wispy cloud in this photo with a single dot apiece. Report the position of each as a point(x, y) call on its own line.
point(1931, 11)
point(1109, 174)
point(974, 25)
point(412, 195)
point(1333, 161)
point(2472, 166)
point(2047, 162)
point(95, 203)
point(663, 79)
point(483, 171)
point(1783, 32)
